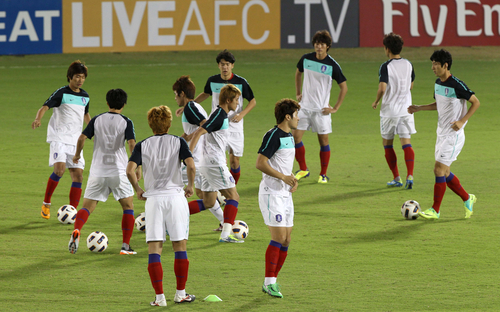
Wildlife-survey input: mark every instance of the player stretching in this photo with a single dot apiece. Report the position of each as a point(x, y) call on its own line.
point(319, 70)
point(213, 168)
point(107, 171)
point(396, 78)
point(193, 116)
point(166, 205)
point(275, 160)
point(235, 139)
point(70, 106)
point(451, 96)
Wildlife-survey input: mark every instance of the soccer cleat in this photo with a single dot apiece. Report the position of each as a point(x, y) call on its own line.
point(272, 290)
point(301, 174)
point(219, 229)
point(45, 211)
point(323, 179)
point(409, 182)
point(73, 241)
point(128, 251)
point(468, 205)
point(161, 303)
point(395, 183)
point(230, 239)
point(221, 199)
point(187, 298)
point(429, 214)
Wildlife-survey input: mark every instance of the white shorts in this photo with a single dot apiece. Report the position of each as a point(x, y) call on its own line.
point(404, 127)
point(235, 143)
point(216, 178)
point(167, 215)
point(99, 188)
point(448, 147)
point(61, 152)
point(197, 177)
point(277, 210)
point(314, 121)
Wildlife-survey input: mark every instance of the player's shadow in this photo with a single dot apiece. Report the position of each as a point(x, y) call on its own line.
point(29, 226)
point(255, 304)
point(333, 198)
point(397, 233)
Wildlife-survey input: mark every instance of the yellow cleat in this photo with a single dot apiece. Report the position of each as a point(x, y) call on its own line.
point(301, 174)
point(45, 211)
point(323, 179)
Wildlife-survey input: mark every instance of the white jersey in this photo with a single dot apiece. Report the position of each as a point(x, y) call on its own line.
point(317, 84)
point(451, 100)
point(191, 117)
point(279, 147)
point(66, 122)
point(398, 74)
point(111, 130)
point(214, 151)
point(161, 156)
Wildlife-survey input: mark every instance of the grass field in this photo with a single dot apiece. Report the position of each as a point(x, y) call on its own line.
point(351, 249)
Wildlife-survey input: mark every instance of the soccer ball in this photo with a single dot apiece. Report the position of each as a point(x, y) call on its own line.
point(240, 229)
point(410, 209)
point(66, 214)
point(140, 222)
point(97, 241)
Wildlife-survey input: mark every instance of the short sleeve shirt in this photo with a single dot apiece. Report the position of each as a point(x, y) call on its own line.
point(214, 151)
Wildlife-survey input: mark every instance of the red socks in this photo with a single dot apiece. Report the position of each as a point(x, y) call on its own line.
point(236, 174)
point(196, 206)
point(51, 186)
point(230, 211)
point(439, 189)
point(409, 158)
point(454, 184)
point(181, 267)
point(300, 155)
point(75, 193)
point(128, 221)
point(81, 218)
point(156, 273)
point(272, 257)
point(392, 160)
point(324, 156)
point(281, 260)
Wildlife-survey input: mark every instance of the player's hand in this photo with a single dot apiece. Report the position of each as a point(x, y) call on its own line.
point(294, 187)
point(328, 110)
point(140, 193)
point(36, 124)
point(457, 125)
point(299, 97)
point(188, 191)
point(237, 118)
point(290, 180)
point(76, 158)
point(413, 108)
point(374, 105)
point(179, 111)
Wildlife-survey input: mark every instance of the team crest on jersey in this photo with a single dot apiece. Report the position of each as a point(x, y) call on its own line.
point(446, 91)
point(231, 179)
point(84, 100)
point(279, 218)
point(323, 68)
point(55, 155)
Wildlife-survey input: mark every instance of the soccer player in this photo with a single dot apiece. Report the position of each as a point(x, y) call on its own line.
point(451, 95)
point(70, 106)
point(193, 116)
point(396, 77)
point(275, 160)
point(107, 171)
point(319, 70)
point(166, 205)
point(235, 139)
point(213, 168)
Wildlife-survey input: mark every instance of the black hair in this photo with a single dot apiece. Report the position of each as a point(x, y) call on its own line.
point(225, 55)
point(116, 98)
point(394, 43)
point(285, 107)
point(442, 56)
point(77, 67)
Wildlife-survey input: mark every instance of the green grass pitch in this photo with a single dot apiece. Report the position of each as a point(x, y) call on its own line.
point(351, 249)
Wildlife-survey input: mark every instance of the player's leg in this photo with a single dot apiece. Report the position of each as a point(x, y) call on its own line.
point(181, 269)
point(324, 156)
point(76, 186)
point(409, 160)
point(392, 161)
point(81, 218)
point(440, 172)
point(230, 212)
point(155, 271)
point(59, 169)
point(300, 154)
point(128, 221)
point(235, 170)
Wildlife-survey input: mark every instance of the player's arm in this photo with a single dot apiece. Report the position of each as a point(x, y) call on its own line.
point(474, 101)
point(131, 169)
point(238, 117)
point(416, 108)
point(382, 86)
point(131, 146)
point(201, 97)
point(298, 85)
point(196, 136)
point(87, 118)
point(190, 170)
point(340, 99)
point(263, 165)
point(79, 147)
point(188, 137)
point(39, 116)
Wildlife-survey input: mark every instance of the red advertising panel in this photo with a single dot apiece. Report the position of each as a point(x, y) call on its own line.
point(430, 22)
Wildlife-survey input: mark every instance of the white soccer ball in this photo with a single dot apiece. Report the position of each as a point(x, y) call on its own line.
point(67, 214)
point(97, 241)
point(240, 229)
point(410, 209)
point(140, 222)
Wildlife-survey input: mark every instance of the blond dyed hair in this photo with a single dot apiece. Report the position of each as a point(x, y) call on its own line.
point(160, 119)
point(228, 93)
